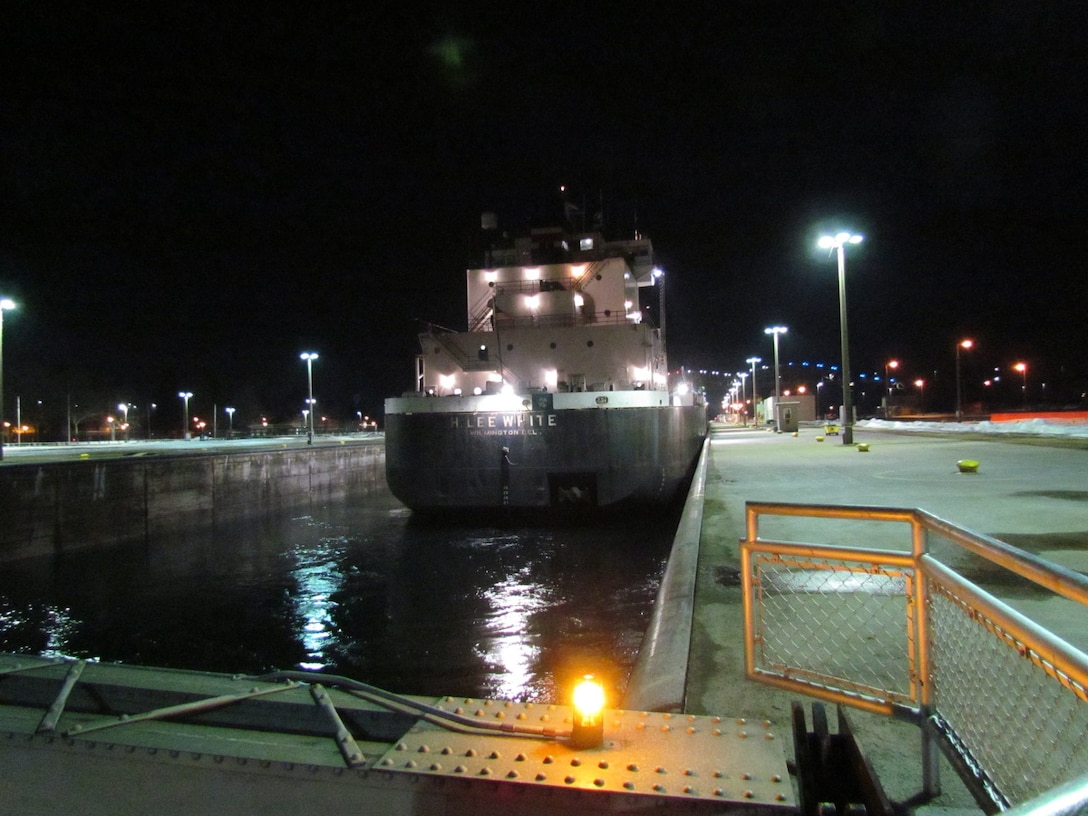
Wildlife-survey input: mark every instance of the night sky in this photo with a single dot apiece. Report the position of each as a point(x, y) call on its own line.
point(192, 194)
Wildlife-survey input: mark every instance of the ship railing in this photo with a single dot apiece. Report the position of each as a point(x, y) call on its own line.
point(902, 632)
point(507, 321)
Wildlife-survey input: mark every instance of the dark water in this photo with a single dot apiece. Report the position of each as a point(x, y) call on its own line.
point(357, 588)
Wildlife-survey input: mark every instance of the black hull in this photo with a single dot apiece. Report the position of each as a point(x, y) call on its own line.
point(575, 459)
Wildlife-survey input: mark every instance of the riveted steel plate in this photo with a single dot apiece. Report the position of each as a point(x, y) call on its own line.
point(675, 755)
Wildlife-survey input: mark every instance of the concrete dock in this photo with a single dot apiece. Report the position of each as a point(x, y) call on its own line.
point(1029, 492)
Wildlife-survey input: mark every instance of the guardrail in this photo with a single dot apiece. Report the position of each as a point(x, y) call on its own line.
point(903, 633)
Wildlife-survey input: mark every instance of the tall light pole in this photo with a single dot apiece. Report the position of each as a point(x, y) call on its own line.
point(1023, 369)
point(5, 304)
point(309, 357)
point(755, 400)
point(743, 397)
point(891, 364)
point(123, 408)
point(838, 243)
point(962, 344)
point(185, 395)
point(774, 331)
point(230, 421)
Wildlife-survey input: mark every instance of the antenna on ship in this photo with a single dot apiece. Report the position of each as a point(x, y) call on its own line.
point(571, 210)
point(489, 223)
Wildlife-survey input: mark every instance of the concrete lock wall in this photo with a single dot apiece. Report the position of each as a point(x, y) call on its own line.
point(53, 507)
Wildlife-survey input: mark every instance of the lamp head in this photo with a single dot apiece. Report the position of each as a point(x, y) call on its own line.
point(588, 728)
point(839, 240)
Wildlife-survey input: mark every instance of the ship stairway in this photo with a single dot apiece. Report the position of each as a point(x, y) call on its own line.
point(587, 276)
point(465, 361)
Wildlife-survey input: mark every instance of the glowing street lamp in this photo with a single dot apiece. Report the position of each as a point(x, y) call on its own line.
point(123, 408)
point(774, 331)
point(891, 364)
point(921, 394)
point(1023, 369)
point(185, 395)
point(5, 304)
point(962, 344)
point(838, 243)
point(230, 420)
point(743, 395)
point(755, 400)
point(309, 357)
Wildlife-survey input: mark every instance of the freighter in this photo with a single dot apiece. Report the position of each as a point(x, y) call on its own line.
point(557, 395)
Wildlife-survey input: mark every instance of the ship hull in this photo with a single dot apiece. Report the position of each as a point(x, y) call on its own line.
point(478, 456)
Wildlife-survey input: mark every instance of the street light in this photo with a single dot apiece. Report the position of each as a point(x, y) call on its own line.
point(891, 364)
point(230, 421)
point(774, 331)
point(185, 395)
point(309, 357)
point(755, 400)
point(743, 397)
point(1023, 369)
point(921, 394)
point(838, 243)
point(123, 408)
point(5, 304)
point(962, 344)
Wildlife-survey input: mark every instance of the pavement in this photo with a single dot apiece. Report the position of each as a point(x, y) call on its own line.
point(1030, 492)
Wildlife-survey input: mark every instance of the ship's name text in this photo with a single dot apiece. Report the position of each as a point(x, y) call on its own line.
point(520, 422)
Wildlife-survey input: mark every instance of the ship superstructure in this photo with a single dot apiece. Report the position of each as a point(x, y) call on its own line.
point(556, 394)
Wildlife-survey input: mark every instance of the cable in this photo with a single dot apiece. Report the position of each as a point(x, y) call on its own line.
point(388, 699)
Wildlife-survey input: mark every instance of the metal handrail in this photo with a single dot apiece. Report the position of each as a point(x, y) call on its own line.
point(927, 576)
point(1064, 800)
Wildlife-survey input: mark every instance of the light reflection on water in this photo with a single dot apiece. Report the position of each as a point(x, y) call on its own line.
point(512, 602)
point(318, 576)
point(358, 588)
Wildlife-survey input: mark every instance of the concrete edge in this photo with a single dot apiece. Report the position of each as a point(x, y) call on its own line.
point(659, 676)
